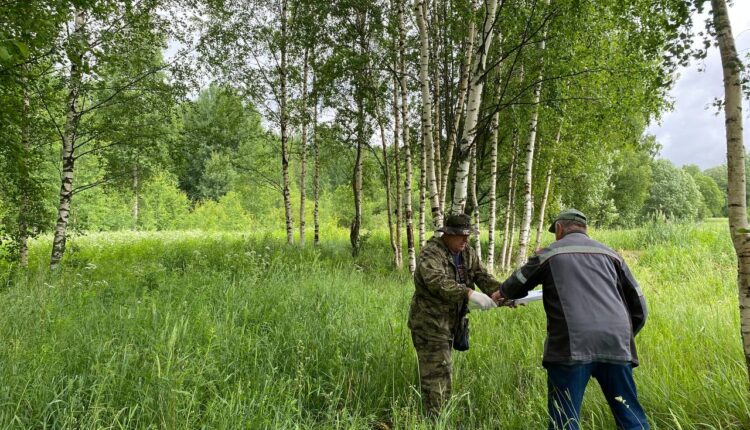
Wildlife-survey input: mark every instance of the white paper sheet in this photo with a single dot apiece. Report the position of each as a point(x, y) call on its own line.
point(532, 297)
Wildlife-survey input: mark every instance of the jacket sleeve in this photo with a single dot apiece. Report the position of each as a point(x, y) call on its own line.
point(482, 278)
point(439, 283)
point(524, 279)
point(634, 299)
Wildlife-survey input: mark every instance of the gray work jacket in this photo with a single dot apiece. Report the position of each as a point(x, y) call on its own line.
point(593, 303)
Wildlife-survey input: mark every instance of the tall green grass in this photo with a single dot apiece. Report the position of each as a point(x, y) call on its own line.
point(198, 330)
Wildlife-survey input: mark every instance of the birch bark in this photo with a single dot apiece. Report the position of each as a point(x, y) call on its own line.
point(75, 55)
point(136, 195)
point(493, 193)
point(509, 233)
point(511, 242)
point(427, 132)
point(459, 110)
point(408, 214)
point(475, 203)
point(528, 200)
point(397, 167)
point(357, 180)
point(472, 110)
point(388, 203)
point(23, 212)
point(303, 151)
point(436, 25)
point(316, 160)
point(738, 224)
point(422, 195)
point(283, 126)
point(545, 197)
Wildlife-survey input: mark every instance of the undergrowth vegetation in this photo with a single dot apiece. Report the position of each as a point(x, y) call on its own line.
point(216, 330)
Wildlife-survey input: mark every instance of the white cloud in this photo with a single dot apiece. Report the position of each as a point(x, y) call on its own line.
point(692, 133)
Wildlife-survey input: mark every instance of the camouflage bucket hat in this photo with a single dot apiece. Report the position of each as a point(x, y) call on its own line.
point(568, 214)
point(459, 225)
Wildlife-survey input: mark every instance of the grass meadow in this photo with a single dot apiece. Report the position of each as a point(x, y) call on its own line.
point(183, 330)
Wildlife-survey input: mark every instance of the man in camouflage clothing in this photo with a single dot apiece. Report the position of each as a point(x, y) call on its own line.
point(447, 269)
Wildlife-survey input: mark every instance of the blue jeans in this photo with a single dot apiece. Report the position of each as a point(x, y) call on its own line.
point(567, 383)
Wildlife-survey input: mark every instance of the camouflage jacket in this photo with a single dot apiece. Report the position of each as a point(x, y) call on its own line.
point(438, 294)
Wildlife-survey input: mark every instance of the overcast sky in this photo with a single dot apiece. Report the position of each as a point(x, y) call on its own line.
point(692, 133)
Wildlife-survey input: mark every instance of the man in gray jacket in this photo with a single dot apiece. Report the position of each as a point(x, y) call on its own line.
point(594, 309)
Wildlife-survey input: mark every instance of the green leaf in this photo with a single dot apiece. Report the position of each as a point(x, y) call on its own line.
point(743, 230)
point(22, 48)
point(4, 54)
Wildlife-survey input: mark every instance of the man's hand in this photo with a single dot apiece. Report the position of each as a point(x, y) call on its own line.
point(498, 298)
point(479, 300)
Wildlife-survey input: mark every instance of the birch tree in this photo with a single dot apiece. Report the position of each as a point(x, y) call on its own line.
point(528, 199)
point(251, 46)
point(737, 187)
point(316, 161)
point(545, 196)
point(389, 206)
point(303, 150)
point(397, 163)
point(475, 202)
point(495, 141)
point(28, 31)
point(408, 213)
point(509, 229)
point(112, 64)
point(460, 103)
point(427, 131)
point(72, 116)
point(283, 122)
point(468, 138)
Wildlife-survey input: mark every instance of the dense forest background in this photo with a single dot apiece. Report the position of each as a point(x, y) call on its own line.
point(227, 115)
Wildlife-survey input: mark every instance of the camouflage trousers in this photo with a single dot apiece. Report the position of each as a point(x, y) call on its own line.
point(435, 370)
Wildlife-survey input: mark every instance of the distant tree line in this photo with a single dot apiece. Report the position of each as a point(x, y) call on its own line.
point(355, 114)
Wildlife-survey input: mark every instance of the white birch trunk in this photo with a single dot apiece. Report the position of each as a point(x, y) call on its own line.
point(528, 200)
point(397, 167)
point(738, 224)
point(545, 197)
point(362, 140)
point(136, 195)
point(316, 161)
point(472, 110)
point(388, 203)
point(459, 111)
point(72, 117)
point(540, 227)
point(436, 124)
point(408, 213)
point(510, 208)
point(422, 195)
point(23, 210)
point(283, 126)
point(513, 226)
point(475, 203)
point(357, 181)
point(493, 193)
point(303, 152)
point(427, 132)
